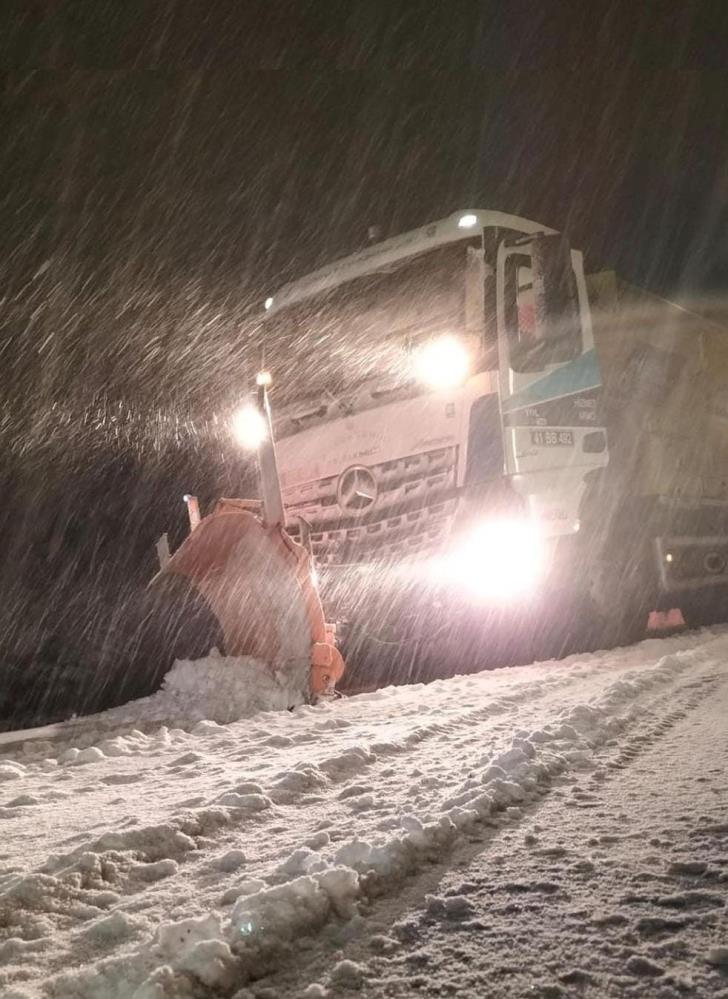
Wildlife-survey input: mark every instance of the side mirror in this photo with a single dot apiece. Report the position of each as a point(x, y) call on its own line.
point(555, 296)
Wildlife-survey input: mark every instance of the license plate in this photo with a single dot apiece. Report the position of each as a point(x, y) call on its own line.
point(552, 438)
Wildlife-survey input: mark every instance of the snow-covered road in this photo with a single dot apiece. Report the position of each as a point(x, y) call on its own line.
point(557, 829)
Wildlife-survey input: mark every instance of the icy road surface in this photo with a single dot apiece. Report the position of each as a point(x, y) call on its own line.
point(553, 830)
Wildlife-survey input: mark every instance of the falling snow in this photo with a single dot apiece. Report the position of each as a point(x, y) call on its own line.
point(552, 830)
point(164, 172)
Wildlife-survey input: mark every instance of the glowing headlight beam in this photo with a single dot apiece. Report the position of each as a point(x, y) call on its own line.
point(249, 427)
point(442, 363)
point(499, 560)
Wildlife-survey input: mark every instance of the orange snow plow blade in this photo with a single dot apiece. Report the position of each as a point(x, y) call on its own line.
point(256, 584)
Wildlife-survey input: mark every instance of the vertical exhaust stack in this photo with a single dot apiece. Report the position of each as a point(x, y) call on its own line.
point(270, 483)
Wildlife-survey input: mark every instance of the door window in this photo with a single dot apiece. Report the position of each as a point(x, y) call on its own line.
point(530, 346)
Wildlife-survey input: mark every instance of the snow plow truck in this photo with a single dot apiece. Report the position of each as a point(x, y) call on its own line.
point(479, 454)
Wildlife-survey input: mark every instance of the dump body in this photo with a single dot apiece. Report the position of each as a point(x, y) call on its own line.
point(664, 392)
point(665, 402)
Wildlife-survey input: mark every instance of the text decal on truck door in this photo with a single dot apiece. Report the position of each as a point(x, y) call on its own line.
point(552, 438)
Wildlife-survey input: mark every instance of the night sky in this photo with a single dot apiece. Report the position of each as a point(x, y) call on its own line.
point(164, 166)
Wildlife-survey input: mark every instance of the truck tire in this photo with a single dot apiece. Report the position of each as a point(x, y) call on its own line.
point(578, 624)
point(619, 626)
point(619, 605)
point(704, 608)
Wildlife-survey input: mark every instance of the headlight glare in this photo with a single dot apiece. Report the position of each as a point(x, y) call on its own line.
point(442, 363)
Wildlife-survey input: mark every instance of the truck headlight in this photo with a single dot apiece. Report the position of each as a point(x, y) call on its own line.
point(498, 559)
point(249, 427)
point(442, 363)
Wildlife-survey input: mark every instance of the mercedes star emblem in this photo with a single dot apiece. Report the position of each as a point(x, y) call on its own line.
point(357, 489)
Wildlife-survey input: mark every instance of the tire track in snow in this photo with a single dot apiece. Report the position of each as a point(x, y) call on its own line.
point(613, 890)
point(393, 924)
point(264, 754)
point(467, 720)
point(138, 835)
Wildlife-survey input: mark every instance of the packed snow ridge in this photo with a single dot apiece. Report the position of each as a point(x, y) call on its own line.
point(220, 689)
point(198, 856)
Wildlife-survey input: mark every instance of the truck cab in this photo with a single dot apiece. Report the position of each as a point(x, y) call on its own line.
point(441, 388)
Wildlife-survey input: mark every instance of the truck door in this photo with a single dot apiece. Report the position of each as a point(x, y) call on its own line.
point(548, 375)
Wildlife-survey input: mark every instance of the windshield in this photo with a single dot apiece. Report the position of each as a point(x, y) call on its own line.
point(340, 339)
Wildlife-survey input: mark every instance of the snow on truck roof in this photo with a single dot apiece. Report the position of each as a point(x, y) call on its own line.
point(373, 258)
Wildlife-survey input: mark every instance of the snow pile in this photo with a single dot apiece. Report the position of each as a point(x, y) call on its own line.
point(217, 688)
point(262, 924)
point(266, 921)
point(224, 689)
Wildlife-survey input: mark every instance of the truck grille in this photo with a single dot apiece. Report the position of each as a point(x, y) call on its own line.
point(411, 513)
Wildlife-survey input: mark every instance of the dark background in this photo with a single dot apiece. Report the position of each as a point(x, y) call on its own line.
point(165, 166)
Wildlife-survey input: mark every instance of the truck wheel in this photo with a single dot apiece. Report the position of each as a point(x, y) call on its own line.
point(621, 599)
point(700, 610)
point(620, 626)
